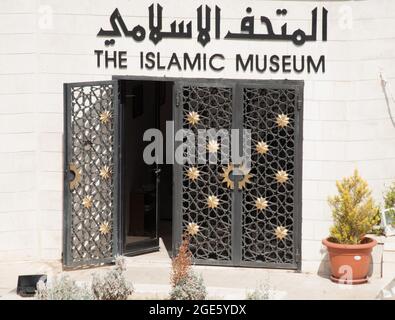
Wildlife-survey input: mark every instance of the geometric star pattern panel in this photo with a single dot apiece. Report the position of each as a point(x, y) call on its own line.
point(91, 163)
point(267, 213)
point(206, 201)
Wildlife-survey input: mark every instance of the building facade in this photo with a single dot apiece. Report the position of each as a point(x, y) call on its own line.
point(82, 80)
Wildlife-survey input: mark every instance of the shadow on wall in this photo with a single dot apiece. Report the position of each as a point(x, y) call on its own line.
point(384, 85)
point(324, 269)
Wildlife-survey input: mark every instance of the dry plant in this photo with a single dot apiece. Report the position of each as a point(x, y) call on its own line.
point(181, 264)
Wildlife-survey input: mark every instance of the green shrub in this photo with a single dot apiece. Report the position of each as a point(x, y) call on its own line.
point(353, 210)
point(389, 202)
point(190, 287)
point(389, 197)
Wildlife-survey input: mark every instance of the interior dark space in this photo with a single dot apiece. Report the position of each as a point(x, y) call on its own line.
point(146, 190)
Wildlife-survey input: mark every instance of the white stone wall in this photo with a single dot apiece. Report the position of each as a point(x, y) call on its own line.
point(47, 43)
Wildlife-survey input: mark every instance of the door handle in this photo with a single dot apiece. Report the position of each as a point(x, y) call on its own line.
point(75, 175)
point(156, 171)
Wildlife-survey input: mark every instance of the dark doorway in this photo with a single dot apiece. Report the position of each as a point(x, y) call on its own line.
point(146, 189)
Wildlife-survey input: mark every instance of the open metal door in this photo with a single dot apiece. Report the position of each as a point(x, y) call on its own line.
point(90, 173)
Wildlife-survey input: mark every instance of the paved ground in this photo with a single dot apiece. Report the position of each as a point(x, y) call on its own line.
point(149, 274)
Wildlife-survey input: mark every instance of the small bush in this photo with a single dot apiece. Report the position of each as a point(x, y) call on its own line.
point(190, 287)
point(389, 197)
point(353, 210)
point(389, 202)
point(262, 292)
point(375, 221)
point(112, 285)
point(63, 288)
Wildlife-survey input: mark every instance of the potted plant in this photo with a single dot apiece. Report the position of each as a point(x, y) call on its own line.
point(349, 249)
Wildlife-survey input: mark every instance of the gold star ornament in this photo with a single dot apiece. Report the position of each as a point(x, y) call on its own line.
point(193, 118)
point(87, 202)
point(105, 116)
point(281, 176)
point(282, 120)
point(212, 146)
point(105, 228)
point(192, 229)
point(105, 172)
point(262, 147)
point(281, 232)
point(193, 173)
point(242, 183)
point(212, 202)
point(261, 203)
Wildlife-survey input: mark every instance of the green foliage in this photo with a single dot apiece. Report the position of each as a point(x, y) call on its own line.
point(353, 210)
point(389, 197)
point(63, 288)
point(375, 221)
point(190, 287)
point(112, 285)
point(389, 202)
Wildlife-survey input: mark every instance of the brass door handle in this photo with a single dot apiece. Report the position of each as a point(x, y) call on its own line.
point(76, 176)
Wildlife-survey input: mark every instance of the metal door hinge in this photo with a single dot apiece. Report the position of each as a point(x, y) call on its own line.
point(297, 255)
point(300, 104)
point(178, 100)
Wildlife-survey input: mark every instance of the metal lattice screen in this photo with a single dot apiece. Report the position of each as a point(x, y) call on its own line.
point(91, 117)
point(205, 200)
point(256, 224)
point(268, 202)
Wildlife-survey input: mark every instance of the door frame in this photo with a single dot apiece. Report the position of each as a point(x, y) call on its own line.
point(298, 85)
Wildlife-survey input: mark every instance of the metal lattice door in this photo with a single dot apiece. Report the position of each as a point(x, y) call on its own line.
point(91, 166)
point(258, 223)
point(214, 242)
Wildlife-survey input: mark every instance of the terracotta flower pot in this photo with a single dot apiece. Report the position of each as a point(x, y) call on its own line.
point(350, 262)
